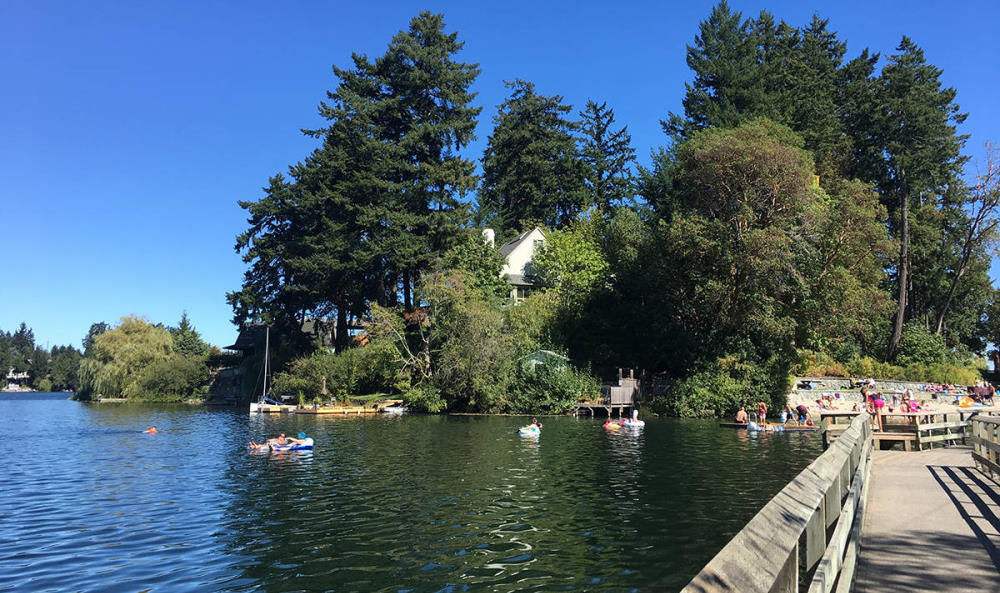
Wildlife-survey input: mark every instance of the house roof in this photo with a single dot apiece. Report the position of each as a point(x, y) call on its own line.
point(518, 280)
point(514, 243)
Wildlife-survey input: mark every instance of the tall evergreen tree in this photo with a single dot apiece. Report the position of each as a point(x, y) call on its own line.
point(429, 98)
point(913, 152)
point(532, 173)
point(608, 155)
point(728, 87)
point(371, 208)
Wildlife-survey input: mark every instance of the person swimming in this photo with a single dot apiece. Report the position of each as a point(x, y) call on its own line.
point(150, 430)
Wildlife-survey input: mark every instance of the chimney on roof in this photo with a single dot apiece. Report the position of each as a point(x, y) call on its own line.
point(489, 236)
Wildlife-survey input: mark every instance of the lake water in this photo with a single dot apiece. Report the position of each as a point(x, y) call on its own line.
point(416, 503)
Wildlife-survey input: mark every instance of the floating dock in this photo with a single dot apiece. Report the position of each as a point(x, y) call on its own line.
point(375, 408)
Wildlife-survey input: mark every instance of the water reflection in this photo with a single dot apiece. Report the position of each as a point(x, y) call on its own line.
point(381, 504)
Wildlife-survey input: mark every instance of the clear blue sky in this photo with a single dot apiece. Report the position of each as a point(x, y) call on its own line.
point(129, 130)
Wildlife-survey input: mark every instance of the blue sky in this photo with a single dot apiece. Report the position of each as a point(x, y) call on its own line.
point(129, 130)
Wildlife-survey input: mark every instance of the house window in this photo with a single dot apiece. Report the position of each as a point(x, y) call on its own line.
point(522, 293)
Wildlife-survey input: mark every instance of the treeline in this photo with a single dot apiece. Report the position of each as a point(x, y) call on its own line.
point(807, 212)
point(134, 359)
point(139, 360)
point(42, 369)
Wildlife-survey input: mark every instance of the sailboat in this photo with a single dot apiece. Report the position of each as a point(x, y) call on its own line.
point(263, 404)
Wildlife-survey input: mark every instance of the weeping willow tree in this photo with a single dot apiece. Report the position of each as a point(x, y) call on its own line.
point(119, 358)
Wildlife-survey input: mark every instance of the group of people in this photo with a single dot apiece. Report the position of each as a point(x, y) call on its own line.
point(798, 413)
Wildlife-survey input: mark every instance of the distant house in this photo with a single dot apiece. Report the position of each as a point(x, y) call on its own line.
point(519, 253)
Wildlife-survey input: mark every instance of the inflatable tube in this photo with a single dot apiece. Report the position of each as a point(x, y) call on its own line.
point(529, 431)
point(307, 445)
point(634, 423)
point(612, 426)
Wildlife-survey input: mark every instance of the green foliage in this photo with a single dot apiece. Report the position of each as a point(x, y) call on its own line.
point(187, 340)
point(349, 373)
point(65, 366)
point(820, 364)
point(137, 360)
point(379, 201)
point(572, 263)
point(920, 346)
point(175, 378)
point(481, 261)
point(720, 389)
point(608, 156)
point(473, 350)
point(425, 398)
point(531, 171)
point(549, 389)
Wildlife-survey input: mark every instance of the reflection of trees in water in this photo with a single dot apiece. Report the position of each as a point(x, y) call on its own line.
point(420, 502)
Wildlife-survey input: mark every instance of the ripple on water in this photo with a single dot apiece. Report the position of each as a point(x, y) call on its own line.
point(416, 504)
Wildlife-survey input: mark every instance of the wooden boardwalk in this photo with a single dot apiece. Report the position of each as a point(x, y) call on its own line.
point(932, 523)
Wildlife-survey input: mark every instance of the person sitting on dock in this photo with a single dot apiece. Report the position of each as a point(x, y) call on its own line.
point(741, 416)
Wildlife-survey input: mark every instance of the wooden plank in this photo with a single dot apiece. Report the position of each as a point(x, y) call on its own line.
point(895, 436)
point(938, 425)
point(995, 468)
point(985, 444)
point(940, 437)
point(830, 566)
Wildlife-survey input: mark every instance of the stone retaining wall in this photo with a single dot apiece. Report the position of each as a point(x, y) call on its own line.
point(825, 385)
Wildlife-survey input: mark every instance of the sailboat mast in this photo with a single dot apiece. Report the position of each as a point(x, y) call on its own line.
point(267, 348)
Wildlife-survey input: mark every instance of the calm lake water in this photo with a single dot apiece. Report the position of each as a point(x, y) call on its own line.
point(417, 503)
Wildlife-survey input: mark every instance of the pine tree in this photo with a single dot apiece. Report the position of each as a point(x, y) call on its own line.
point(728, 86)
point(913, 152)
point(609, 157)
point(532, 173)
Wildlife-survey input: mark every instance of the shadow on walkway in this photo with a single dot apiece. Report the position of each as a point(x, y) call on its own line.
point(976, 499)
point(936, 528)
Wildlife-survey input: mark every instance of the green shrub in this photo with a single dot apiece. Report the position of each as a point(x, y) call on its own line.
point(819, 364)
point(722, 387)
point(424, 398)
point(175, 378)
point(549, 389)
point(918, 345)
point(351, 372)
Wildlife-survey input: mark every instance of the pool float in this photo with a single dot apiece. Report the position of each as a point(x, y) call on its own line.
point(609, 425)
point(529, 431)
point(305, 445)
point(633, 423)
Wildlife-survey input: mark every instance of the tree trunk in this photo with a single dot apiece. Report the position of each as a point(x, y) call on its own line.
point(951, 294)
point(407, 300)
point(340, 337)
point(903, 278)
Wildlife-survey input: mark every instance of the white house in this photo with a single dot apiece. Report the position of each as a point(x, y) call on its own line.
point(519, 253)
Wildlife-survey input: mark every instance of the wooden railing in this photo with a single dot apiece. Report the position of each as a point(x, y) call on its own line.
point(916, 430)
point(765, 556)
point(986, 445)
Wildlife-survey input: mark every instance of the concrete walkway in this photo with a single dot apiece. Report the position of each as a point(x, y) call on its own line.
point(932, 524)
